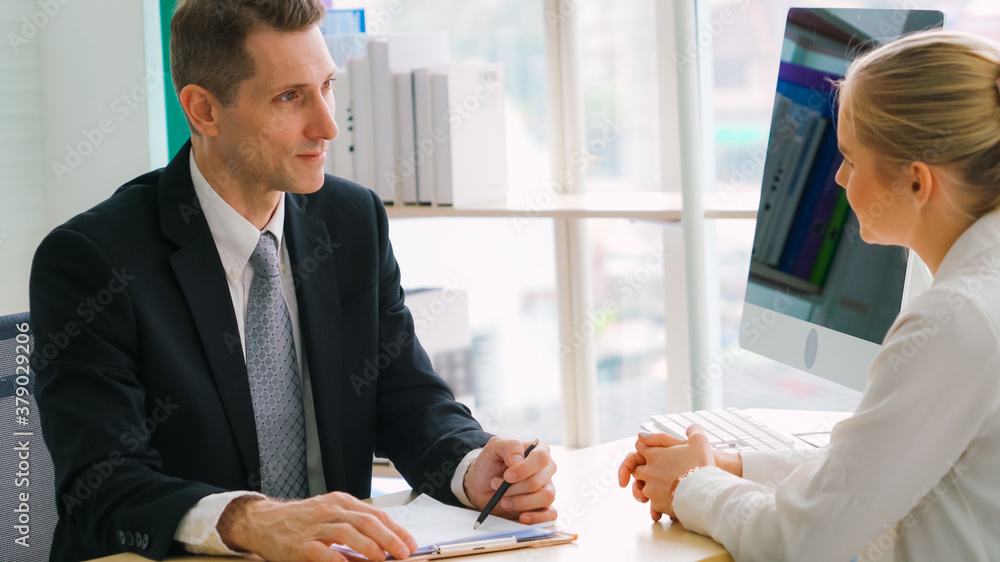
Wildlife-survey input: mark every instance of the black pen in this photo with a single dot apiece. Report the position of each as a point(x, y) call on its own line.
point(500, 492)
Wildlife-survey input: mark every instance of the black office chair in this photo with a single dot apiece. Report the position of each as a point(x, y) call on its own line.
point(25, 464)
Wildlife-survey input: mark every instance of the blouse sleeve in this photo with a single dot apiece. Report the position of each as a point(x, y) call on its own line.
point(929, 391)
point(770, 468)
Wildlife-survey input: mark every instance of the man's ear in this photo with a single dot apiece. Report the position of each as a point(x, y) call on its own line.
point(201, 108)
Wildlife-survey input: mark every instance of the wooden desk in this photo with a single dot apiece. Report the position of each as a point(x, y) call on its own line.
point(610, 523)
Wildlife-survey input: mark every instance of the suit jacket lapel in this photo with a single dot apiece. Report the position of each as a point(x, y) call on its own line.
point(203, 281)
point(312, 255)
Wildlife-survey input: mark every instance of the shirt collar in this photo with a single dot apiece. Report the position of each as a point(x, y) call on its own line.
point(235, 236)
point(982, 236)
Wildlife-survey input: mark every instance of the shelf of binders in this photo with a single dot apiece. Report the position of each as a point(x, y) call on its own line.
point(649, 206)
point(419, 129)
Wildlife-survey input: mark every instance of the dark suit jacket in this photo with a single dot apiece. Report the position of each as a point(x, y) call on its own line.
point(141, 383)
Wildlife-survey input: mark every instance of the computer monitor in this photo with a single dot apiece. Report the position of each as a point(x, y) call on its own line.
point(819, 298)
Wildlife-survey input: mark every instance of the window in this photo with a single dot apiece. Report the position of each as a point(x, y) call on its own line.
point(617, 60)
point(745, 42)
point(511, 33)
point(507, 269)
point(627, 322)
point(507, 266)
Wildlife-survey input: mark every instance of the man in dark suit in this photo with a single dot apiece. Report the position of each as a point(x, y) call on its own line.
point(209, 331)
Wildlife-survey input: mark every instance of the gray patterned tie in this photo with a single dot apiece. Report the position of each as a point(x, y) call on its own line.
point(274, 379)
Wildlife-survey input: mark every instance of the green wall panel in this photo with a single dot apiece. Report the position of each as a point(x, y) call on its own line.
point(177, 128)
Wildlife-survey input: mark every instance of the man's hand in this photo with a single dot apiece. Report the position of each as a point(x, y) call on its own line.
point(529, 498)
point(304, 530)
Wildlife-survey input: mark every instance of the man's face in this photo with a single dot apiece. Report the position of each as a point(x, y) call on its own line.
point(275, 135)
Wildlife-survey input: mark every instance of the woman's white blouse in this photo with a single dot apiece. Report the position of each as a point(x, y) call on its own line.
point(914, 474)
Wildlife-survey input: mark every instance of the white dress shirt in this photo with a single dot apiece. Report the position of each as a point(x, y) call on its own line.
point(236, 238)
point(914, 474)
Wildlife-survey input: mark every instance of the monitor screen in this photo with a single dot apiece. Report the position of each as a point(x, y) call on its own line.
point(819, 298)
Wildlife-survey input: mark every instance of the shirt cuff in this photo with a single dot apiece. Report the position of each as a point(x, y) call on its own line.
point(458, 479)
point(693, 498)
point(198, 530)
point(771, 467)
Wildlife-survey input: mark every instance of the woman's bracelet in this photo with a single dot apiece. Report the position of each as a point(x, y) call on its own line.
point(673, 487)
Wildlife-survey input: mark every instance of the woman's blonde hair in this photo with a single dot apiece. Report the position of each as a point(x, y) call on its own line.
point(932, 97)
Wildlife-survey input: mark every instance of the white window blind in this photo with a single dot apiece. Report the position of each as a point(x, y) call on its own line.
point(22, 200)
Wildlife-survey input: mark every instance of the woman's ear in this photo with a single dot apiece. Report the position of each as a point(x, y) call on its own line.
point(923, 182)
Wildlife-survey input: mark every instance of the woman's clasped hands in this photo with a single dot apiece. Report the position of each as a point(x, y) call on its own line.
point(661, 460)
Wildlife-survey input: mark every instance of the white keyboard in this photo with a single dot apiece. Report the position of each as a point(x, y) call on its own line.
point(727, 430)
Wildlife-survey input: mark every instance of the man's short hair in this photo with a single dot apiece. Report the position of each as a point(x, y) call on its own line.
point(208, 39)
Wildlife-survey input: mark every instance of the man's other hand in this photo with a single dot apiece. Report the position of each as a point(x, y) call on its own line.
point(304, 530)
point(529, 498)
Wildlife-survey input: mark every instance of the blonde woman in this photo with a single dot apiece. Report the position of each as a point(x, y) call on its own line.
point(916, 470)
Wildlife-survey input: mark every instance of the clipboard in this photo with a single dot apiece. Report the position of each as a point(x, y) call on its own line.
point(468, 548)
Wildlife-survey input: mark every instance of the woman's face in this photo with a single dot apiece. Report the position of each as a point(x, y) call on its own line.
point(886, 210)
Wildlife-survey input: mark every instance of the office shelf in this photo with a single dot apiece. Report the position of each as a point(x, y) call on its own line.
point(650, 206)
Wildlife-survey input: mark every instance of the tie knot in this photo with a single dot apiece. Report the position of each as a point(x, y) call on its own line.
point(264, 258)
